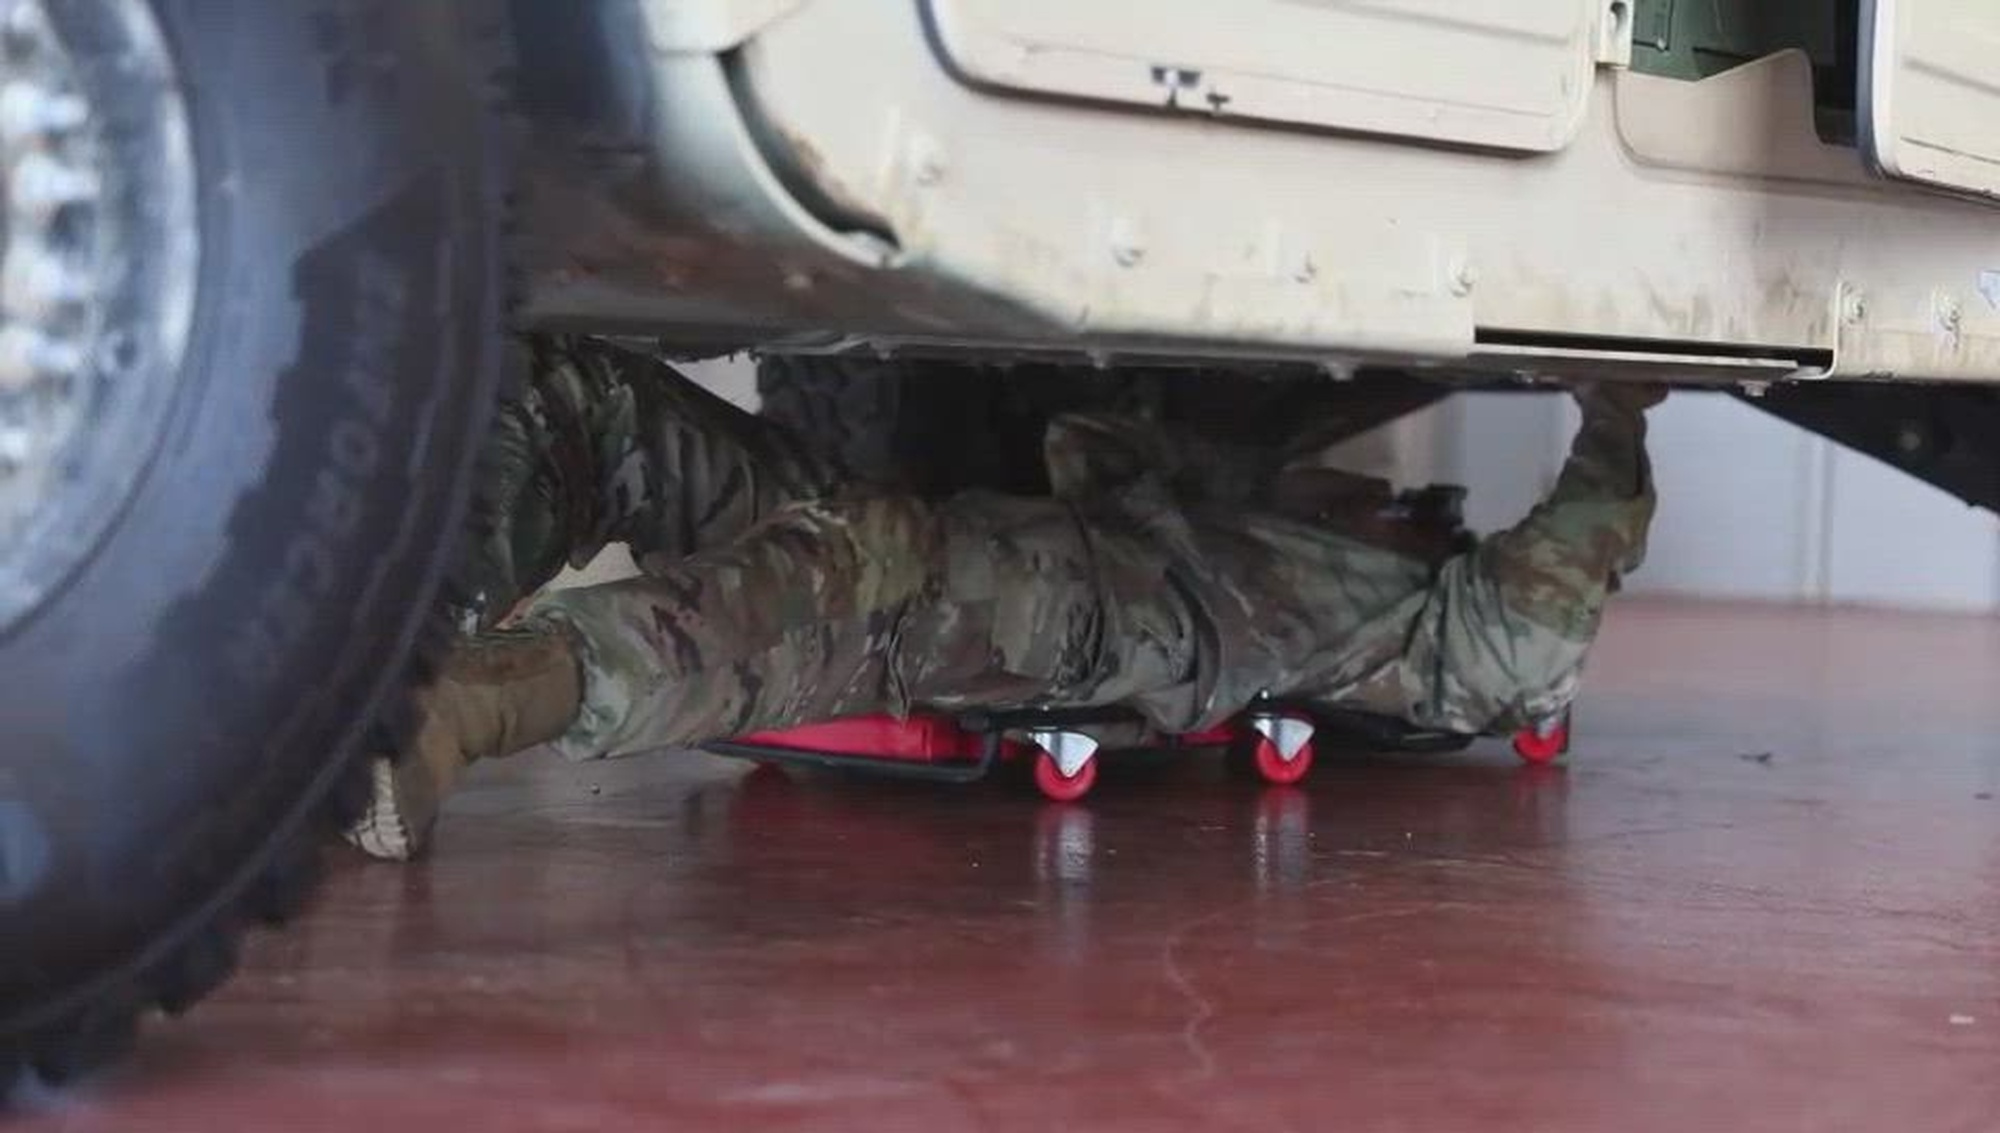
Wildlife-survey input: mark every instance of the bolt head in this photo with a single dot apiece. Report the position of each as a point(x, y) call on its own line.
point(1949, 314)
point(1464, 277)
point(1127, 242)
point(1853, 308)
point(927, 164)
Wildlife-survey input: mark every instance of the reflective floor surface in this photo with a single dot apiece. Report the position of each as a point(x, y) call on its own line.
point(1764, 894)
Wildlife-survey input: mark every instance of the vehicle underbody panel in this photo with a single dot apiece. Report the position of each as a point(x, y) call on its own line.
point(727, 195)
point(1947, 437)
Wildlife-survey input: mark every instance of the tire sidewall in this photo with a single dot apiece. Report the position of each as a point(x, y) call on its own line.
point(175, 706)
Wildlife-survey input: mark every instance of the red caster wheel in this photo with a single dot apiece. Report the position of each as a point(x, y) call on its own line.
point(1050, 780)
point(1275, 769)
point(1260, 749)
point(1056, 749)
point(1542, 747)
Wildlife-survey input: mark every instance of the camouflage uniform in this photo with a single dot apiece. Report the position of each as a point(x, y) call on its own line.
point(1161, 576)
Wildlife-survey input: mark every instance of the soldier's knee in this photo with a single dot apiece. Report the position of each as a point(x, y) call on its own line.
point(1023, 570)
point(876, 523)
point(870, 551)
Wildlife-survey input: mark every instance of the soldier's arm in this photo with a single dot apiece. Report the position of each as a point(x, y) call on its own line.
point(1502, 634)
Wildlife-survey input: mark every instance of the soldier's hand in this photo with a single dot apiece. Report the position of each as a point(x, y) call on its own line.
point(1621, 398)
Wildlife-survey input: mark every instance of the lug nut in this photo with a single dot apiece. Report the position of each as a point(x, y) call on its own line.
point(29, 358)
point(42, 185)
point(36, 283)
point(28, 112)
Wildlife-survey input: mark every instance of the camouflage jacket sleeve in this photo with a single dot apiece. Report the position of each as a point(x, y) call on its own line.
point(1500, 637)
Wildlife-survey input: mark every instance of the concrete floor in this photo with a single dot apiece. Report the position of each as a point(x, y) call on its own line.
point(1764, 895)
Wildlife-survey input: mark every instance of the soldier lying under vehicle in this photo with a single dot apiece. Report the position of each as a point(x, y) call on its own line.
point(1178, 578)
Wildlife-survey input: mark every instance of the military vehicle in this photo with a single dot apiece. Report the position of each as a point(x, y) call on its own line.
point(263, 261)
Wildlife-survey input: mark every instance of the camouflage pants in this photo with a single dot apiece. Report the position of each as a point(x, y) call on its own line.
point(772, 598)
point(606, 446)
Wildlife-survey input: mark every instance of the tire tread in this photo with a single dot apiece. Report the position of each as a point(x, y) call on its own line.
point(101, 1028)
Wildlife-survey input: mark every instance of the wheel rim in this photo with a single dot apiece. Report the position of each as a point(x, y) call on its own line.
point(1276, 769)
point(98, 256)
point(1060, 787)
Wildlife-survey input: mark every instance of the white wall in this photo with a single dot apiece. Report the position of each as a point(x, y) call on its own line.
point(734, 377)
point(1750, 506)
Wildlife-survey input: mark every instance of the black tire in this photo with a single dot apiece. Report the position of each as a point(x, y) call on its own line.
point(932, 429)
point(179, 709)
point(937, 427)
point(848, 410)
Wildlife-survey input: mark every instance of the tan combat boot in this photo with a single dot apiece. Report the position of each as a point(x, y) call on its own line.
point(499, 693)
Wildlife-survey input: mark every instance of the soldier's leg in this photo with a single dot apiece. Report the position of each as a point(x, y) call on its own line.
point(605, 445)
point(1503, 635)
point(829, 608)
point(865, 605)
point(796, 621)
point(843, 607)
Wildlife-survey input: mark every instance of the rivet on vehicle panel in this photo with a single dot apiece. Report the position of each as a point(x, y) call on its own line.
point(926, 163)
point(1853, 308)
point(1464, 277)
point(1949, 314)
point(1127, 247)
point(1754, 389)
